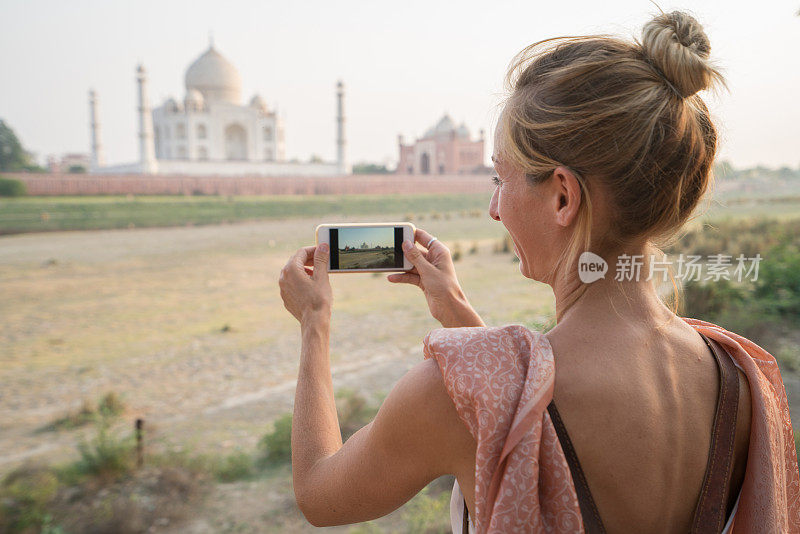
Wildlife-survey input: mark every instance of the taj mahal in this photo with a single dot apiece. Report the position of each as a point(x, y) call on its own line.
point(211, 132)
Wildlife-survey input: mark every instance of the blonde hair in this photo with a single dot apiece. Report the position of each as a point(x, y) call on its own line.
point(623, 115)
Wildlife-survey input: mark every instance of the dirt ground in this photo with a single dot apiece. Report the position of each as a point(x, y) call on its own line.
point(187, 326)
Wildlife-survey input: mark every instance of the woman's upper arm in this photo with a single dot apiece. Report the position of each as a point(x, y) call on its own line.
point(416, 437)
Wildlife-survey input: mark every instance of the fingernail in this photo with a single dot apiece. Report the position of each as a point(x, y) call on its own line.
point(407, 245)
point(323, 247)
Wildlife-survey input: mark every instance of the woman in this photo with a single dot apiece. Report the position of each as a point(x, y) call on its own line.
point(673, 424)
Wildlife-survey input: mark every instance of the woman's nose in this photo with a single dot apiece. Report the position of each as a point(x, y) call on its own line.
point(493, 213)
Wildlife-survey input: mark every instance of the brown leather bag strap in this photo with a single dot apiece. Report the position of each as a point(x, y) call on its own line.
point(592, 524)
point(711, 511)
point(591, 516)
point(465, 523)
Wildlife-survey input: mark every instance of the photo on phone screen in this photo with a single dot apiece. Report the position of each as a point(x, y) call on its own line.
point(377, 247)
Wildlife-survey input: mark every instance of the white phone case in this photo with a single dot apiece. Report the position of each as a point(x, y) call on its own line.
point(322, 234)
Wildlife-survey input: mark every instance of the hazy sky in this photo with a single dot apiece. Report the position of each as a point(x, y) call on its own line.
point(403, 64)
point(353, 237)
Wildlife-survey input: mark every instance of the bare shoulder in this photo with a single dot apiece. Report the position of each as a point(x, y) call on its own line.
point(420, 405)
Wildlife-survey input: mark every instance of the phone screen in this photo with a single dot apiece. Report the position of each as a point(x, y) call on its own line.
point(366, 247)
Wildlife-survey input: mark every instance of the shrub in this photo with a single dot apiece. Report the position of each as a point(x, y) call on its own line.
point(427, 512)
point(778, 283)
point(276, 446)
point(109, 406)
point(503, 246)
point(473, 249)
point(106, 455)
point(457, 251)
point(710, 299)
point(11, 188)
point(24, 496)
point(353, 410)
point(235, 466)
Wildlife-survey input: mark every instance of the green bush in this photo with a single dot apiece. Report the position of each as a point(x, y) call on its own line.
point(276, 446)
point(763, 309)
point(711, 299)
point(778, 284)
point(457, 251)
point(353, 410)
point(109, 406)
point(106, 455)
point(24, 496)
point(235, 466)
point(11, 188)
point(427, 512)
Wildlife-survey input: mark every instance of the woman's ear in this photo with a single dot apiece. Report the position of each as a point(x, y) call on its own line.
point(568, 195)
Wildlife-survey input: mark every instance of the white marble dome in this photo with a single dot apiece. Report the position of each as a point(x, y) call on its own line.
point(214, 77)
point(172, 106)
point(193, 100)
point(258, 103)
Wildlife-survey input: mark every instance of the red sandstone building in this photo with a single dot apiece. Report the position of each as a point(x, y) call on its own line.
point(444, 149)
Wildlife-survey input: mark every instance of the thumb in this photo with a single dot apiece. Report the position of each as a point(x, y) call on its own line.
point(321, 254)
point(415, 256)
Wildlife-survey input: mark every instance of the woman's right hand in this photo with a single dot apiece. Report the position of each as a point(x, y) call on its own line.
point(435, 274)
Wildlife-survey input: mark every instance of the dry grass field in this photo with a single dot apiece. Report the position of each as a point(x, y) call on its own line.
point(186, 325)
point(366, 259)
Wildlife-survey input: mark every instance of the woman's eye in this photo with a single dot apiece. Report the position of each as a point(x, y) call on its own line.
point(496, 180)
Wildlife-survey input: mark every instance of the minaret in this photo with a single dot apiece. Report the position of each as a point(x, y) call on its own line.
point(341, 159)
point(98, 160)
point(147, 152)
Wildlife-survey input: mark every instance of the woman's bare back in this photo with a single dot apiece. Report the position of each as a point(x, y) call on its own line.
point(639, 406)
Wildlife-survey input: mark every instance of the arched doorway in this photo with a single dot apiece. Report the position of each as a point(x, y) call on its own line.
point(235, 142)
point(425, 164)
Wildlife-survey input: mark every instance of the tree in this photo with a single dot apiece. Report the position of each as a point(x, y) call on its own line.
point(369, 168)
point(13, 157)
point(724, 169)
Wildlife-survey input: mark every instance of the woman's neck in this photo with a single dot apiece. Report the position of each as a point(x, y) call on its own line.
point(607, 300)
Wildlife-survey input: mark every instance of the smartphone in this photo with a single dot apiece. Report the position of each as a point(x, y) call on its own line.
point(366, 247)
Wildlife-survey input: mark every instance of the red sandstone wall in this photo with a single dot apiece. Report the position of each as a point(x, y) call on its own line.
point(96, 184)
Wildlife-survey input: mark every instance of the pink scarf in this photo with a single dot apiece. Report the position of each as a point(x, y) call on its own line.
point(501, 381)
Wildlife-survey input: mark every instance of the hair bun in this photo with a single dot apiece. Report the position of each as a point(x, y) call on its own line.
point(676, 45)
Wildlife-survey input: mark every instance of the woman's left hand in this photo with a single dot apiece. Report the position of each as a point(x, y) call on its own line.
point(307, 292)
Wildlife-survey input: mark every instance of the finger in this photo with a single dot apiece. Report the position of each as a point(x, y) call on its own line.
point(302, 256)
point(423, 238)
point(416, 258)
point(321, 255)
point(404, 278)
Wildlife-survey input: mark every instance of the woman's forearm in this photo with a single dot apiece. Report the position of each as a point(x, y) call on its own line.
point(315, 424)
point(460, 312)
